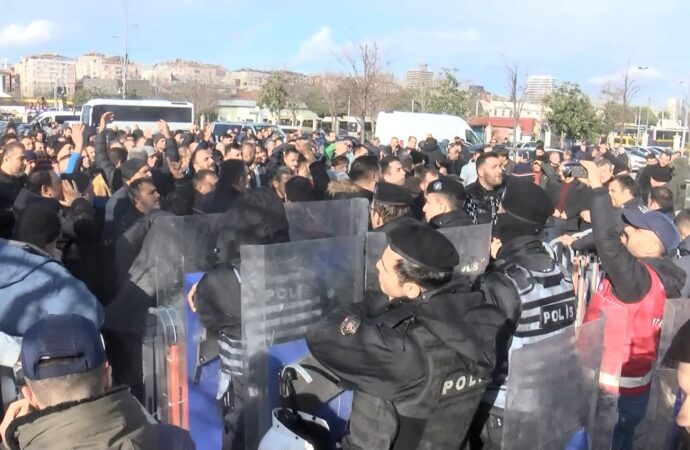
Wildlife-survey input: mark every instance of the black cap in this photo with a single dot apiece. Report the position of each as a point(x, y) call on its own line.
point(392, 194)
point(424, 246)
point(58, 337)
point(527, 202)
point(445, 185)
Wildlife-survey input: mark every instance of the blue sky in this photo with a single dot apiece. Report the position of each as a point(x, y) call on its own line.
point(584, 41)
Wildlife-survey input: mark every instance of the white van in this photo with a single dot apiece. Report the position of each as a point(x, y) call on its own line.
point(441, 126)
point(60, 117)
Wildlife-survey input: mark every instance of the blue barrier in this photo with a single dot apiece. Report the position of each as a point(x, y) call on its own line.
point(205, 421)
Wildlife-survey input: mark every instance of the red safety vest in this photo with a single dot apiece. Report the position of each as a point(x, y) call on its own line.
point(631, 336)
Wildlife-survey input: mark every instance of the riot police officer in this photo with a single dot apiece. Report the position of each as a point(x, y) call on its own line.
point(534, 291)
point(418, 361)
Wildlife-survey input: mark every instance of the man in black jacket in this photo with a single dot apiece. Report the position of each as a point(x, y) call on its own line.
point(12, 176)
point(418, 360)
point(484, 195)
point(443, 207)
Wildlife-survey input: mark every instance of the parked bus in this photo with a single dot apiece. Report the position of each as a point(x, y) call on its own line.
point(142, 113)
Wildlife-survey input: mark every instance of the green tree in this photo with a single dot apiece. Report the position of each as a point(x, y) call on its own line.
point(274, 94)
point(447, 97)
point(571, 113)
point(82, 96)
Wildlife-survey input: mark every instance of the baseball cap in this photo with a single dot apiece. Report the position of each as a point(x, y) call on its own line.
point(641, 217)
point(61, 336)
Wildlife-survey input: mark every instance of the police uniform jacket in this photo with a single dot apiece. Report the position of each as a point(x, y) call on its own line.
point(382, 349)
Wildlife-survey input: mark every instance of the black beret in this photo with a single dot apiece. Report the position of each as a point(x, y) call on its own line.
point(445, 185)
point(299, 189)
point(527, 201)
point(424, 246)
point(392, 194)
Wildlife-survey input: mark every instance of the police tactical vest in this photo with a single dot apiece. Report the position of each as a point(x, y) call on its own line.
point(547, 306)
point(440, 414)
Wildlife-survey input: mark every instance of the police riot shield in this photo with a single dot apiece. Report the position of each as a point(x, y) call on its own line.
point(471, 242)
point(324, 219)
point(660, 430)
point(174, 246)
point(285, 289)
point(552, 389)
point(165, 366)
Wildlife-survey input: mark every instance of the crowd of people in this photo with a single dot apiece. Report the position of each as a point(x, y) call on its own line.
point(77, 205)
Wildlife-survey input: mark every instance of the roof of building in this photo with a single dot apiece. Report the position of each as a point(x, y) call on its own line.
point(501, 122)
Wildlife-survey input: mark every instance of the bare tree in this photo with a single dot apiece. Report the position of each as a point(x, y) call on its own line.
point(517, 95)
point(202, 95)
point(366, 82)
point(623, 91)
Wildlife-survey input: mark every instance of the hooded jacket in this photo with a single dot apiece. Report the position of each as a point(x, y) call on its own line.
point(114, 420)
point(342, 190)
point(32, 285)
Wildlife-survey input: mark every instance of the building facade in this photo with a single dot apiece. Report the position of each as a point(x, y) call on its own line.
point(183, 71)
point(419, 78)
point(538, 87)
point(39, 75)
point(247, 79)
point(102, 67)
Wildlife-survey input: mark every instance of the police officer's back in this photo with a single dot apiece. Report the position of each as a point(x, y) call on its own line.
point(533, 290)
point(418, 363)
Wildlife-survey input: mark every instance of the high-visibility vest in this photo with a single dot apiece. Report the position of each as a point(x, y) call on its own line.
point(631, 336)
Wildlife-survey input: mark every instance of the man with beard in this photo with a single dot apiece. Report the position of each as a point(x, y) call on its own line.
point(484, 196)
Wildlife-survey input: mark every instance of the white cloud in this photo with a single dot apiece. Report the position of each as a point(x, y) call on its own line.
point(636, 73)
point(319, 44)
point(18, 35)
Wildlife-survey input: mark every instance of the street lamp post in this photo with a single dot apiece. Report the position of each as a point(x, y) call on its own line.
point(683, 138)
point(126, 56)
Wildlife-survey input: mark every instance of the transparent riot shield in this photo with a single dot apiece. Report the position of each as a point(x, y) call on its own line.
point(552, 389)
point(174, 246)
point(165, 366)
point(324, 219)
point(660, 430)
point(286, 288)
point(471, 242)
